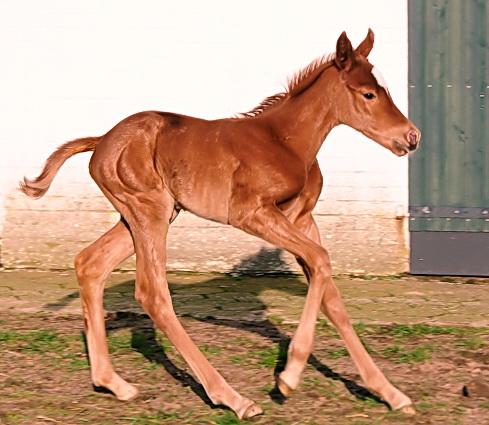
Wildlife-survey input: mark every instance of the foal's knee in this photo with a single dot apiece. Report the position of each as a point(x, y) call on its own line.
point(86, 268)
point(320, 264)
point(334, 307)
point(153, 300)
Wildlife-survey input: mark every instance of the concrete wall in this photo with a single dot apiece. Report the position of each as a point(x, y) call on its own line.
point(74, 69)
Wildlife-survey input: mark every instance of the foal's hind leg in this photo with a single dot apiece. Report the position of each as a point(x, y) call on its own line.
point(93, 265)
point(148, 215)
point(333, 307)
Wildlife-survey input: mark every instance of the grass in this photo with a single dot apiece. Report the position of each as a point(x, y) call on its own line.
point(78, 364)
point(226, 418)
point(337, 354)
point(210, 350)
point(38, 341)
point(326, 388)
point(423, 330)
point(468, 338)
point(399, 354)
point(156, 418)
point(16, 418)
point(119, 343)
point(269, 357)
point(360, 327)
point(150, 344)
point(275, 319)
point(472, 343)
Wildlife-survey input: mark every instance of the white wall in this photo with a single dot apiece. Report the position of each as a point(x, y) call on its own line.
point(75, 68)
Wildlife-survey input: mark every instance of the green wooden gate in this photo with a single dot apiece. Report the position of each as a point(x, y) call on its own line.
point(449, 174)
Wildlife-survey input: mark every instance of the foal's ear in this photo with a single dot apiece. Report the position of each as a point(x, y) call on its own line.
point(344, 52)
point(366, 45)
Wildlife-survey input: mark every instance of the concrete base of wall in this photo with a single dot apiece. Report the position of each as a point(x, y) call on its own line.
point(49, 239)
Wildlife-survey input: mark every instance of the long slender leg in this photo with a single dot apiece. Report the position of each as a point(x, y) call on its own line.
point(270, 224)
point(93, 265)
point(333, 307)
point(148, 216)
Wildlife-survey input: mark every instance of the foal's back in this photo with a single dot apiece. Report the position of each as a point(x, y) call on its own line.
point(202, 163)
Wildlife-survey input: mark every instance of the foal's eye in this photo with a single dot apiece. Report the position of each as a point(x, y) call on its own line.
point(369, 96)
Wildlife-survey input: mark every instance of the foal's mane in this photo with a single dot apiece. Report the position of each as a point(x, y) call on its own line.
point(296, 84)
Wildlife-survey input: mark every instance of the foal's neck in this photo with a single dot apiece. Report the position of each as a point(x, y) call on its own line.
point(304, 119)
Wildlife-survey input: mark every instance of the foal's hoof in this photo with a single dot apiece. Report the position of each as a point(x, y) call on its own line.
point(408, 410)
point(285, 389)
point(250, 411)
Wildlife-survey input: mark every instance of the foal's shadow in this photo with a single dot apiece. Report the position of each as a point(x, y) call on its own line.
point(200, 302)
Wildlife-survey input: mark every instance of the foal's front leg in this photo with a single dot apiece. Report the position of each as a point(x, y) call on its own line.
point(333, 307)
point(269, 223)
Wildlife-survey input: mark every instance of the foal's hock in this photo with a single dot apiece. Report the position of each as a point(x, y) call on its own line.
point(257, 172)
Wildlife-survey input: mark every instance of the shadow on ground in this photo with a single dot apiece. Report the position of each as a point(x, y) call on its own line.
point(222, 301)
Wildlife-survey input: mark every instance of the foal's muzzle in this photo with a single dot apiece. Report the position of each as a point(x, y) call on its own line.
point(409, 144)
point(413, 138)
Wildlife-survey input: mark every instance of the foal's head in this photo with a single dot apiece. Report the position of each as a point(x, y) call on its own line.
point(364, 100)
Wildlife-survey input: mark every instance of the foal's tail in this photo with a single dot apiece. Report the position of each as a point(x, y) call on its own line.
point(40, 185)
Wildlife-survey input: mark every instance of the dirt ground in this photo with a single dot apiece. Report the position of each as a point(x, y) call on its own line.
point(243, 325)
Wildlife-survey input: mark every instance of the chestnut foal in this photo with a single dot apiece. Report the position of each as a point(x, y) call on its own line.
point(257, 172)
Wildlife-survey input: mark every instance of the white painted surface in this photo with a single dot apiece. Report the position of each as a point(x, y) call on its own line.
point(75, 68)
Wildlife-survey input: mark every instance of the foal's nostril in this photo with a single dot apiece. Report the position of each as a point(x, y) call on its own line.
point(413, 138)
